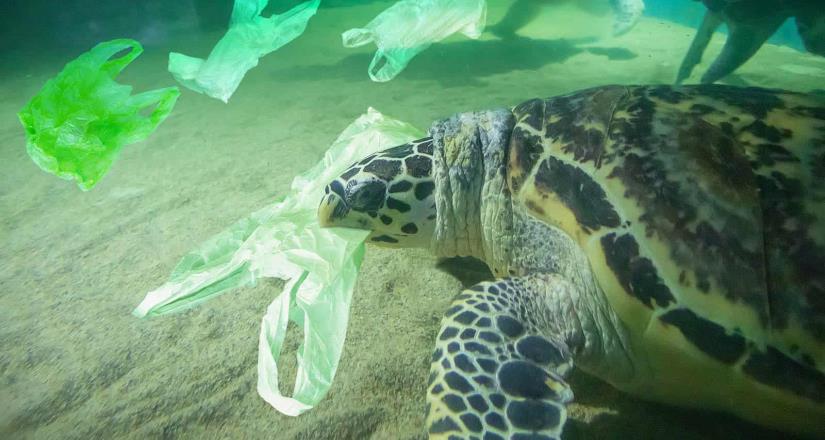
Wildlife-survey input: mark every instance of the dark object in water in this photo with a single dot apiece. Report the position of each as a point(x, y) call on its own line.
point(750, 24)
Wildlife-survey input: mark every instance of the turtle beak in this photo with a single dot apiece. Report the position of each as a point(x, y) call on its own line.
point(331, 210)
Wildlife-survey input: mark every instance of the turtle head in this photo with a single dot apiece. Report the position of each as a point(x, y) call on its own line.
point(390, 193)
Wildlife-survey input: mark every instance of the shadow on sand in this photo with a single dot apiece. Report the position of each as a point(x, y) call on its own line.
point(463, 63)
point(630, 417)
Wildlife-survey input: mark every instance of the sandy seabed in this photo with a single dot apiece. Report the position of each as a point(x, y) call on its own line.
point(74, 363)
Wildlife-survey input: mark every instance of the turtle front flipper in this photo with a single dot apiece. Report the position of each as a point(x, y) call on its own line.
point(742, 43)
point(500, 361)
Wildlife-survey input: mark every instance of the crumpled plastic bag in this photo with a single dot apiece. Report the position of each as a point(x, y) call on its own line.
point(78, 122)
point(285, 241)
point(250, 37)
point(410, 26)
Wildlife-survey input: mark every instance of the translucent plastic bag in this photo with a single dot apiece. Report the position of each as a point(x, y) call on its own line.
point(78, 122)
point(250, 37)
point(627, 14)
point(410, 26)
point(285, 241)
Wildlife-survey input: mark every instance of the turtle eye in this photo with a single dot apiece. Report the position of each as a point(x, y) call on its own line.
point(366, 197)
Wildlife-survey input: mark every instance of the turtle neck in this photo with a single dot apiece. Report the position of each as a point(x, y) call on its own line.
point(472, 198)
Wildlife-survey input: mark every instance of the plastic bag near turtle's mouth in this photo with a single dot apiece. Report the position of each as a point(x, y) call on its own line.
point(286, 241)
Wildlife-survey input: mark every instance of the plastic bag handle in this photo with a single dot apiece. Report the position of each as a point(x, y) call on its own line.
point(103, 52)
point(163, 100)
point(387, 63)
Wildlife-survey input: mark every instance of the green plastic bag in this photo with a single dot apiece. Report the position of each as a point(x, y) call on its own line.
point(80, 120)
point(286, 241)
point(250, 37)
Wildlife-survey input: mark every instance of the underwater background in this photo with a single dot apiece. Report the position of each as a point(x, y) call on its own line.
point(74, 363)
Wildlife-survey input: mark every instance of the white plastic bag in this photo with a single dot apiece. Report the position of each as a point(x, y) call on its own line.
point(626, 14)
point(410, 26)
point(250, 37)
point(285, 241)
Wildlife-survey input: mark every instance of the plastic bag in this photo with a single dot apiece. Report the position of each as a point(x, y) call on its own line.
point(285, 241)
point(250, 36)
point(410, 26)
point(78, 122)
point(627, 13)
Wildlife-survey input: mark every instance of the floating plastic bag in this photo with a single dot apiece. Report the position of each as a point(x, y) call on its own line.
point(78, 122)
point(250, 36)
point(626, 14)
point(410, 26)
point(285, 241)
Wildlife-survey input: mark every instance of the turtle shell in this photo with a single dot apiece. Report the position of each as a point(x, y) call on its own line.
point(701, 211)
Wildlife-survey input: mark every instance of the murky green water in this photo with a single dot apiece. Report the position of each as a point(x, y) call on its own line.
point(74, 363)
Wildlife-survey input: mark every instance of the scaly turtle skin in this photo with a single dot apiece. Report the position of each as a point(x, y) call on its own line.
point(669, 240)
point(750, 23)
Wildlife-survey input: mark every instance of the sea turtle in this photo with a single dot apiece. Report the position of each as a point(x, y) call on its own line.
point(669, 240)
point(750, 23)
